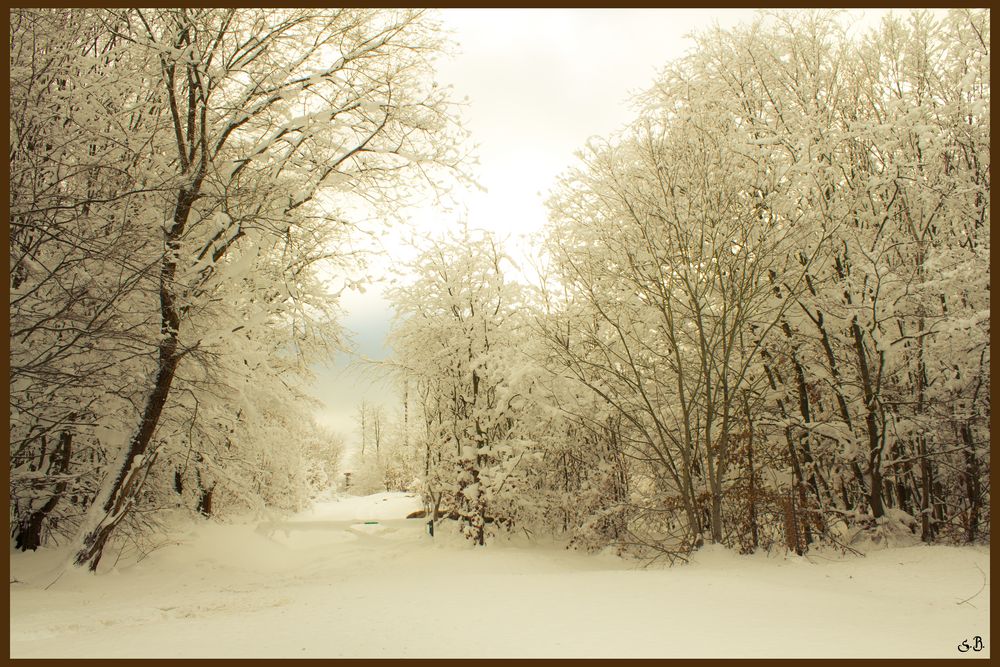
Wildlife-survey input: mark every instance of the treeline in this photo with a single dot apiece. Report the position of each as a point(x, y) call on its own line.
point(763, 312)
point(184, 186)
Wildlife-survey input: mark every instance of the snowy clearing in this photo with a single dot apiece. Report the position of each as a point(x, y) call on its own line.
point(327, 584)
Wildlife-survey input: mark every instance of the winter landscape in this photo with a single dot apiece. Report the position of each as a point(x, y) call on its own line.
point(499, 333)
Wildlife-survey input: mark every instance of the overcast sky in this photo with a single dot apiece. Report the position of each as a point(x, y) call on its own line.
point(539, 84)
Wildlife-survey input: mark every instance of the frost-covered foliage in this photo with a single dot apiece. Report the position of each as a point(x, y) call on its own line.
point(459, 325)
point(184, 186)
point(765, 316)
point(387, 459)
point(495, 439)
point(779, 278)
point(764, 320)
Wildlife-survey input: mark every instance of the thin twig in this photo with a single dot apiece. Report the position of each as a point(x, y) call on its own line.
point(61, 573)
point(981, 588)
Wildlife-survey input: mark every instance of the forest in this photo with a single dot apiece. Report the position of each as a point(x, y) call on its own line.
point(759, 315)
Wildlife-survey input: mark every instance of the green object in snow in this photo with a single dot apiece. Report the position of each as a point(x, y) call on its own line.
point(369, 523)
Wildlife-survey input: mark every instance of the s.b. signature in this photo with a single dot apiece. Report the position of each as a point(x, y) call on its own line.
point(977, 645)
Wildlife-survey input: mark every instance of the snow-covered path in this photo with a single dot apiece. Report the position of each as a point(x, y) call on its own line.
point(326, 584)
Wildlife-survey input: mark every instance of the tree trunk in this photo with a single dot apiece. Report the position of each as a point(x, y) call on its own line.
point(406, 413)
point(971, 484)
point(29, 530)
point(205, 503)
point(716, 518)
point(845, 412)
point(119, 496)
point(471, 511)
point(791, 524)
point(800, 486)
point(871, 424)
point(127, 483)
point(752, 491)
point(927, 528)
point(926, 484)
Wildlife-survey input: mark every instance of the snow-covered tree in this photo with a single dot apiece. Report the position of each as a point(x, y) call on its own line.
point(454, 338)
point(757, 271)
point(197, 171)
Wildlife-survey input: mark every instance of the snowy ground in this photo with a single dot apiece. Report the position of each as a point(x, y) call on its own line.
point(326, 584)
